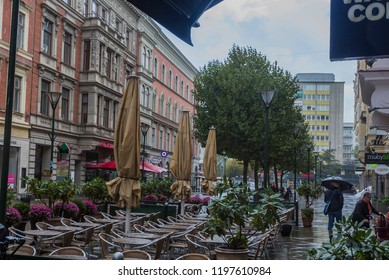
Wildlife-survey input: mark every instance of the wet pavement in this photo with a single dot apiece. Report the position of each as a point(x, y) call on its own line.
point(302, 239)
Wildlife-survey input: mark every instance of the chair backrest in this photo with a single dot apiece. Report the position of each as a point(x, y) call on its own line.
point(163, 222)
point(19, 233)
point(159, 245)
point(152, 224)
point(193, 256)
point(260, 246)
point(117, 232)
point(25, 250)
point(106, 243)
point(85, 235)
point(70, 251)
point(89, 219)
point(120, 213)
point(139, 228)
point(172, 219)
point(136, 255)
point(194, 246)
point(66, 221)
point(42, 225)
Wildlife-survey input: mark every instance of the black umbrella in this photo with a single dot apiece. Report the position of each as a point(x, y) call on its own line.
point(344, 185)
point(178, 16)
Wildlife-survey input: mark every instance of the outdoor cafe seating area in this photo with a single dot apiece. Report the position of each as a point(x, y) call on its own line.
point(149, 237)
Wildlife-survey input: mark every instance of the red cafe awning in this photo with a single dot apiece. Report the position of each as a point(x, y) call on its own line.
point(111, 165)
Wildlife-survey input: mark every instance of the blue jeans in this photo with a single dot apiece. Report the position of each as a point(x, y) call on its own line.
point(332, 216)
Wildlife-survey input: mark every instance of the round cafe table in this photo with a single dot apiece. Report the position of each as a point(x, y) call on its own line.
point(127, 241)
point(65, 228)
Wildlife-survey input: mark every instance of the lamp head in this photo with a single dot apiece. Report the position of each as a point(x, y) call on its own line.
point(267, 96)
point(144, 128)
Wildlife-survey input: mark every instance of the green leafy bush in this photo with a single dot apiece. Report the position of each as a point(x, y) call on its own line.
point(24, 209)
point(96, 190)
point(352, 242)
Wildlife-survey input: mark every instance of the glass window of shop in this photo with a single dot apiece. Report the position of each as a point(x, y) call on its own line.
point(13, 181)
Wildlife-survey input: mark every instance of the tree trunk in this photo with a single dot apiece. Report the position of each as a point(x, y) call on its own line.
point(245, 171)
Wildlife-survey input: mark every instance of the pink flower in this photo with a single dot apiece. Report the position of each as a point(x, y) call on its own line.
point(90, 207)
point(12, 217)
point(40, 213)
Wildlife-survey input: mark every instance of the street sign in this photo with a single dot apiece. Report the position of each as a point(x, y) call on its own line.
point(164, 153)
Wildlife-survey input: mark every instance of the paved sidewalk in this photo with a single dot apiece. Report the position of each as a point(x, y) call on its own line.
point(301, 240)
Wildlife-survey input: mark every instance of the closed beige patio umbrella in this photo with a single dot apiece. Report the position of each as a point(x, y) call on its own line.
point(125, 189)
point(210, 163)
point(181, 164)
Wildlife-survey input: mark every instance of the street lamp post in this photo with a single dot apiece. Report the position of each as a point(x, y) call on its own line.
point(144, 128)
point(297, 130)
point(267, 97)
point(309, 147)
point(54, 97)
point(316, 156)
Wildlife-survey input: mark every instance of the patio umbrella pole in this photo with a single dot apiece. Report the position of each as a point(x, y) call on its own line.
point(128, 220)
point(182, 207)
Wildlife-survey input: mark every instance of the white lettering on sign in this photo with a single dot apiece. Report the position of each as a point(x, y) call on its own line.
point(373, 11)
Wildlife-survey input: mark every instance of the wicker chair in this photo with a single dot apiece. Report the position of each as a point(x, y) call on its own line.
point(25, 250)
point(107, 246)
point(139, 228)
point(69, 251)
point(19, 233)
point(193, 256)
point(43, 225)
point(157, 248)
point(66, 221)
point(258, 249)
point(136, 255)
point(194, 246)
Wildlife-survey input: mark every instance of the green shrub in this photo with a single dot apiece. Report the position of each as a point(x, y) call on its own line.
point(352, 242)
point(96, 190)
point(24, 209)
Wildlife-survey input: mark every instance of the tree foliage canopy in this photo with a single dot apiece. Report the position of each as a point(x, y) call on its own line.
point(228, 97)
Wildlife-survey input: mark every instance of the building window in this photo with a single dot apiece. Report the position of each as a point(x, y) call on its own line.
point(109, 63)
point(84, 108)
point(115, 104)
point(176, 84)
point(85, 9)
point(67, 48)
point(182, 88)
point(65, 104)
point(154, 103)
point(98, 110)
point(86, 55)
point(45, 103)
point(20, 32)
point(106, 113)
point(161, 106)
point(117, 25)
point(17, 94)
point(168, 141)
point(148, 65)
point(152, 137)
point(143, 98)
point(68, 2)
point(47, 36)
point(95, 8)
point(160, 139)
point(156, 68)
point(163, 73)
point(101, 54)
point(104, 14)
point(187, 92)
point(170, 79)
point(127, 39)
point(144, 56)
point(147, 97)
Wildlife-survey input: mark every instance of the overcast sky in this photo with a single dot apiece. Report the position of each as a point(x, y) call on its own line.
point(295, 33)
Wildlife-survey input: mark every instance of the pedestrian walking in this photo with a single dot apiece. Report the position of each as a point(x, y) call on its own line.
point(334, 197)
point(363, 210)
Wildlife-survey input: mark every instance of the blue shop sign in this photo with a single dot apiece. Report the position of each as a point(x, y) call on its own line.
point(358, 29)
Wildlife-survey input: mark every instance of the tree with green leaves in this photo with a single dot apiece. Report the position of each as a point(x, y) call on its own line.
point(228, 97)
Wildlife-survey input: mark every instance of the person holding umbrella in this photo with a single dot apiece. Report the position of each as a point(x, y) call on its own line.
point(363, 210)
point(334, 197)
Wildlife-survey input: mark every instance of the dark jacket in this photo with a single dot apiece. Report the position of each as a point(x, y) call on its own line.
point(361, 212)
point(336, 202)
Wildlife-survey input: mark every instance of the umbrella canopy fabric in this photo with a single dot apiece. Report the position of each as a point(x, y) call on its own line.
point(210, 163)
point(125, 189)
point(344, 185)
point(178, 16)
point(181, 164)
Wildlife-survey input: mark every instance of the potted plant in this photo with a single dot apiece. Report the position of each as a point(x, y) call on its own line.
point(96, 190)
point(235, 219)
point(90, 207)
point(39, 213)
point(150, 198)
point(24, 209)
point(69, 209)
point(12, 217)
point(309, 192)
